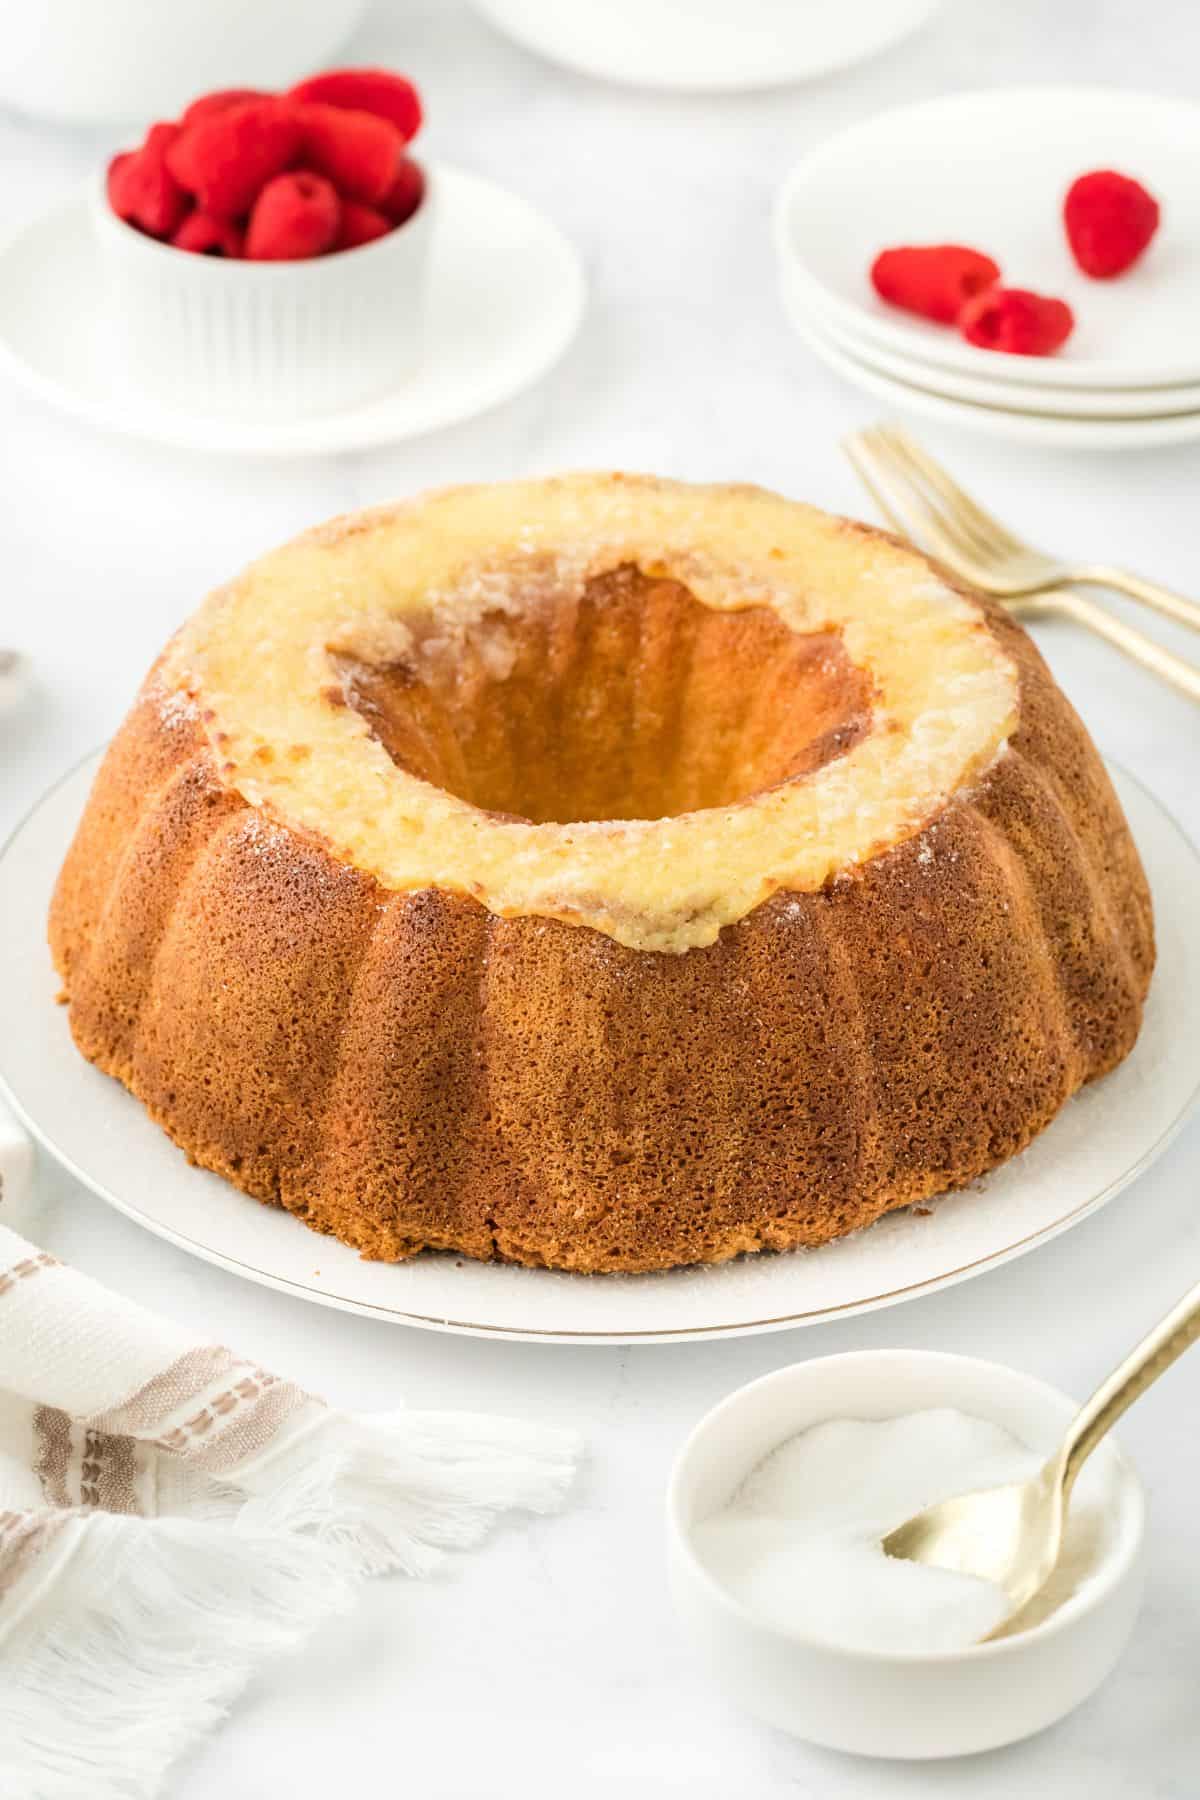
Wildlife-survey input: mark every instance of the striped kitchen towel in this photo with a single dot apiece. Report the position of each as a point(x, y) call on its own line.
point(171, 1514)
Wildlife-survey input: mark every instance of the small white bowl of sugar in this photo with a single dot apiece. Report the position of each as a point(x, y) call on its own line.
point(775, 1513)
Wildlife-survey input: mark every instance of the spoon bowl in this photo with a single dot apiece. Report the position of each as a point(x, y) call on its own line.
point(1012, 1535)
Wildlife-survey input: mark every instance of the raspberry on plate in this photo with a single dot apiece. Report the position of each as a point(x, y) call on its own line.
point(1109, 219)
point(1016, 320)
point(934, 280)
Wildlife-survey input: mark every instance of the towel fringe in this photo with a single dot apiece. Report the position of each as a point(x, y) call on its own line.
point(140, 1646)
point(150, 1628)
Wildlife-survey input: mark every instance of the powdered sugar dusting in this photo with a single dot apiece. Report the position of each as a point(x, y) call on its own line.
point(177, 709)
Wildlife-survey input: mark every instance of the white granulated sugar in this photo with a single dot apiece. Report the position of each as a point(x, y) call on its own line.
point(799, 1542)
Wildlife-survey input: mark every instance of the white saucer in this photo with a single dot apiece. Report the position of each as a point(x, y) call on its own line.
point(990, 169)
point(1060, 431)
point(507, 293)
point(706, 46)
point(1102, 1139)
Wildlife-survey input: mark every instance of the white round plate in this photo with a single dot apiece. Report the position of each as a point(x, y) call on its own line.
point(706, 45)
point(990, 169)
point(1101, 1140)
point(1059, 431)
point(1046, 402)
point(506, 296)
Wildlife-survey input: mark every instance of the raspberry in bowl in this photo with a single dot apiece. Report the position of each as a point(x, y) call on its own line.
point(267, 254)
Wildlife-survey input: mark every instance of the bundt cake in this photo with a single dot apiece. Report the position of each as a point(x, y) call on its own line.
point(604, 873)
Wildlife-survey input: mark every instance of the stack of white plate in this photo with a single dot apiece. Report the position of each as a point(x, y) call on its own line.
point(990, 170)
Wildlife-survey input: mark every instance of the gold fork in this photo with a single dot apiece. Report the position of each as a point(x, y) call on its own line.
point(920, 500)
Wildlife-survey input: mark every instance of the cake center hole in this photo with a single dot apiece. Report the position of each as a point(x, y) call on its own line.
point(631, 700)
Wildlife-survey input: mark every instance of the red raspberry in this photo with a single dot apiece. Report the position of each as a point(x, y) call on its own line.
point(406, 192)
point(1013, 319)
point(1110, 219)
point(360, 225)
point(296, 215)
point(358, 152)
point(225, 158)
point(208, 235)
point(932, 279)
point(376, 91)
point(141, 188)
point(219, 101)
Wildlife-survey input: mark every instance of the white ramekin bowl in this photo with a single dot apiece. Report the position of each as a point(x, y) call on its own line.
point(885, 1704)
point(266, 340)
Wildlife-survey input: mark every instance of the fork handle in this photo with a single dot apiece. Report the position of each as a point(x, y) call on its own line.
point(1123, 581)
point(1143, 649)
point(1127, 1383)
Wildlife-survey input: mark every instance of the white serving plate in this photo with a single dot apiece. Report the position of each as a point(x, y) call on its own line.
point(990, 169)
point(1058, 431)
point(1102, 1140)
point(713, 46)
point(506, 295)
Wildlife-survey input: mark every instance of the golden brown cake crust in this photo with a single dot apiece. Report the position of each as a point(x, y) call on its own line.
point(407, 1069)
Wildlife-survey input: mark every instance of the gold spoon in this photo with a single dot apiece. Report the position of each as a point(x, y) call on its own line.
point(1012, 1535)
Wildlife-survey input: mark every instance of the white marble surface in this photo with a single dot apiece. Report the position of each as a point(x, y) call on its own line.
point(550, 1663)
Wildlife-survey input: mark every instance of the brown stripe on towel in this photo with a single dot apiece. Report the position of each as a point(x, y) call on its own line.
point(52, 1453)
point(183, 1380)
point(109, 1473)
point(30, 1265)
point(236, 1425)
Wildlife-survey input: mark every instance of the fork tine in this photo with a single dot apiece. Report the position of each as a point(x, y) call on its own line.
point(859, 456)
point(904, 509)
point(927, 516)
point(993, 537)
point(955, 520)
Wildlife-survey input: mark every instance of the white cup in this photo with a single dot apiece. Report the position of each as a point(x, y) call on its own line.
point(112, 61)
